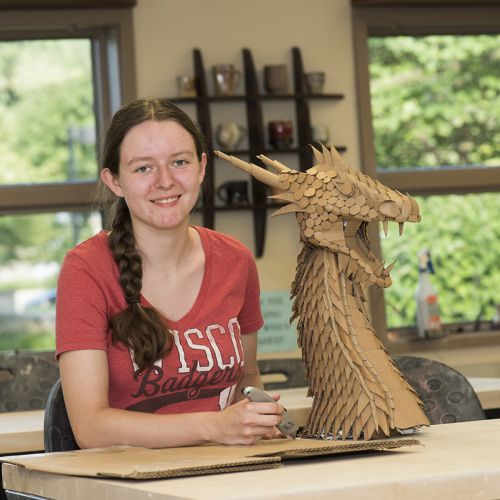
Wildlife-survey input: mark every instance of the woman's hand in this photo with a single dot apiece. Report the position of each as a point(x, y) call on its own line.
point(275, 433)
point(246, 422)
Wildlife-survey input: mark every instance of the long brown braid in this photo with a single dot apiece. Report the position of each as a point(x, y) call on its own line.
point(140, 328)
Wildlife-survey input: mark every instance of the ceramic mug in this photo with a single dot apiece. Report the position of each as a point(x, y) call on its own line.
point(229, 135)
point(276, 79)
point(320, 133)
point(186, 86)
point(226, 79)
point(280, 133)
point(315, 82)
point(233, 192)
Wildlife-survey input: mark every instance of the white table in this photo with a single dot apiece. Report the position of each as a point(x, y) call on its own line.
point(298, 404)
point(21, 432)
point(488, 391)
point(456, 461)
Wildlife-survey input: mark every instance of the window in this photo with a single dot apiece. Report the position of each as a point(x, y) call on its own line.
point(428, 83)
point(61, 77)
point(47, 120)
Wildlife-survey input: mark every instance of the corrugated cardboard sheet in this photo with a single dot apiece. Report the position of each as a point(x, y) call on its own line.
point(143, 463)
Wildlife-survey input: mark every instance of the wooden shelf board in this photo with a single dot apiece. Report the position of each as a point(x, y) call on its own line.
point(263, 97)
point(253, 100)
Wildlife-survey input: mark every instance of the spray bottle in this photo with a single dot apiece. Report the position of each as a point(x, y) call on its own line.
point(428, 316)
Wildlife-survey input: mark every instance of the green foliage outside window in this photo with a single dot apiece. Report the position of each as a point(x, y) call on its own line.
point(47, 134)
point(45, 90)
point(463, 234)
point(435, 103)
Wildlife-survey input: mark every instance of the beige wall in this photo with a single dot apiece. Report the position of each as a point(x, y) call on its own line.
point(166, 31)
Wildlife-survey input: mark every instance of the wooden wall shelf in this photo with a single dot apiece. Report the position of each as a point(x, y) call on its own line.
point(253, 100)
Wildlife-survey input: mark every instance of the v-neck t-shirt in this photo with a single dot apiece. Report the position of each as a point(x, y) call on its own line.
point(201, 371)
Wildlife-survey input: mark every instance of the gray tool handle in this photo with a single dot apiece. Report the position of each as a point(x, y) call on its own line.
point(287, 426)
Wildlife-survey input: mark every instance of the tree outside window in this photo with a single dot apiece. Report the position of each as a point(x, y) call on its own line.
point(56, 94)
point(432, 86)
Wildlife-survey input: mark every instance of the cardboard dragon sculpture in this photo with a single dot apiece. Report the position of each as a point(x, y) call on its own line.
point(357, 389)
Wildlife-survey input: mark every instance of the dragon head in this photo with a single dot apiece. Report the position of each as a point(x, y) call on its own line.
point(334, 204)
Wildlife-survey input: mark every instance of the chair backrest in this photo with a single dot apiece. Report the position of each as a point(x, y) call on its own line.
point(57, 432)
point(292, 369)
point(25, 381)
point(447, 394)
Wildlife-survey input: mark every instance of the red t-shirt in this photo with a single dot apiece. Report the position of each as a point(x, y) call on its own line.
point(203, 368)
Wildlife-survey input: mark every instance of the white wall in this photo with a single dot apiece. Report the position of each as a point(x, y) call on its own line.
point(166, 31)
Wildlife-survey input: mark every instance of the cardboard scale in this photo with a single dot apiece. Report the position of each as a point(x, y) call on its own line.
point(357, 389)
point(142, 463)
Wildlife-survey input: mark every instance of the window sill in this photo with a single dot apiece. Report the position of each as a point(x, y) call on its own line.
point(452, 341)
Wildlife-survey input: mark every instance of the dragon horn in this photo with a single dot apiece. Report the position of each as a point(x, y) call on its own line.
point(261, 174)
point(319, 157)
point(274, 164)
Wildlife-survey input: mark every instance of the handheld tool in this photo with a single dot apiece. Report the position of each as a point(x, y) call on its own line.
point(287, 426)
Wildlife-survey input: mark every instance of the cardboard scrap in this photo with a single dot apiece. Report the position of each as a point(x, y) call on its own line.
point(358, 391)
point(288, 449)
point(142, 463)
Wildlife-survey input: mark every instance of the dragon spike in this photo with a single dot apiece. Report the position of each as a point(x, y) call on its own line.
point(290, 208)
point(317, 155)
point(385, 225)
point(337, 160)
point(401, 228)
point(282, 169)
point(388, 269)
point(261, 174)
point(380, 268)
point(283, 197)
point(327, 155)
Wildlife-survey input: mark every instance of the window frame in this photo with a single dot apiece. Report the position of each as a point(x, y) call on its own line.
point(398, 19)
point(111, 35)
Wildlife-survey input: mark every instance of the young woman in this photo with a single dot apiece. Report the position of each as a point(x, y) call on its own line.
point(157, 320)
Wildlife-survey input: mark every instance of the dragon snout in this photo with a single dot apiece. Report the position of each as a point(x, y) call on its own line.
point(406, 211)
point(389, 209)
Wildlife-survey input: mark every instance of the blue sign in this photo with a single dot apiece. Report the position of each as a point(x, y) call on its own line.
point(277, 334)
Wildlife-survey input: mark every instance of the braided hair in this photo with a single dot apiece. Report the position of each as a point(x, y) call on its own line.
point(140, 328)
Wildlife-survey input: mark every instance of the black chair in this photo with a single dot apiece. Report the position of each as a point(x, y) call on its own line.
point(447, 394)
point(292, 369)
point(57, 432)
point(25, 381)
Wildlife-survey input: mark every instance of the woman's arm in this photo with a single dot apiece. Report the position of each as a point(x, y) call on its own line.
point(251, 374)
point(84, 377)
